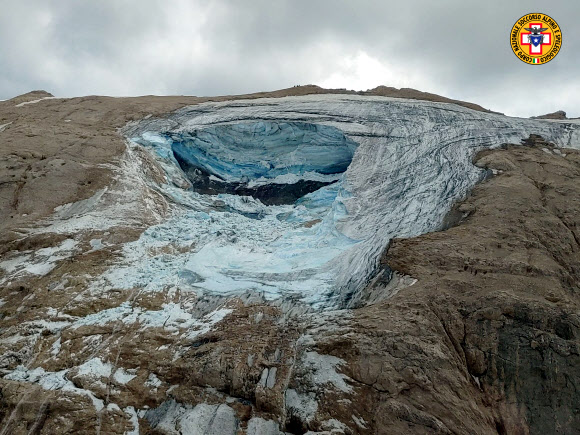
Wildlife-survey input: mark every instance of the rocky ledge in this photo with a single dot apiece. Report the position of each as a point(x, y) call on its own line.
point(559, 114)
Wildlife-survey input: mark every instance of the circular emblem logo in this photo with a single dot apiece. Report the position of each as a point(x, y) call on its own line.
point(536, 38)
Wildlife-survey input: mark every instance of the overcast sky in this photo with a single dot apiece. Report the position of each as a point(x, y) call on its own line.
point(456, 48)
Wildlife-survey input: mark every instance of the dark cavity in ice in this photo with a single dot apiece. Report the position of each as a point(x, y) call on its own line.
point(275, 162)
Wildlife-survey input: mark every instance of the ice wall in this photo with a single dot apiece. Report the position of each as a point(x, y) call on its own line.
point(264, 149)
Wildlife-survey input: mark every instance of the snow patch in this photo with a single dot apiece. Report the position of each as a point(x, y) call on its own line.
point(172, 316)
point(96, 369)
point(96, 244)
point(52, 381)
point(174, 418)
point(38, 263)
point(360, 422)
point(130, 411)
point(153, 381)
point(301, 405)
point(260, 426)
point(55, 348)
point(123, 377)
point(323, 369)
point(34, 101)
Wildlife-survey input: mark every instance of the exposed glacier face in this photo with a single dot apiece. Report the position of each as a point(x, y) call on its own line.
point(275, 162)
point(412, 162)
point(233, 243)
point(264, 149)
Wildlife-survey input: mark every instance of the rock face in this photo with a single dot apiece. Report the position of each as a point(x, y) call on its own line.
point(136, 304)
point(560, 114)
point(502, 303)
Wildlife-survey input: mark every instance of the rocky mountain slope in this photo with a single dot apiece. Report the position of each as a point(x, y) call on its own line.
point(560, 114)
point(332, 263)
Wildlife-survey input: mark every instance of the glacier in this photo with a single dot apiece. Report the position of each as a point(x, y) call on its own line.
point(275, 162)
point(354, 172)
point(264, 149)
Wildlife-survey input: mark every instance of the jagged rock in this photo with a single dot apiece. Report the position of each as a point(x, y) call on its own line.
point(535, 140)
point(513, 291)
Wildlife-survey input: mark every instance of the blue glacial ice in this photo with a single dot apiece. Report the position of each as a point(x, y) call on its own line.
point(394, 166)
point(264, 150)
point(230, 244)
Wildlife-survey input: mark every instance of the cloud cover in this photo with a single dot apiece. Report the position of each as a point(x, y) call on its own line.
point(456, 48)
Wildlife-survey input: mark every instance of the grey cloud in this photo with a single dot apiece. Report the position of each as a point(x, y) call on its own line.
point(456, 48)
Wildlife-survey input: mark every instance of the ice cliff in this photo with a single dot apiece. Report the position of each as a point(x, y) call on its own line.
point(296, 198)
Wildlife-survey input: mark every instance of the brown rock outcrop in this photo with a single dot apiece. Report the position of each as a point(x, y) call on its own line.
point(559, 114)
point(413, 94)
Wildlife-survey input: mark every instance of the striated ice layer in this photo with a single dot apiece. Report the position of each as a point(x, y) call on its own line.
point(412, 162)
point(264, 150)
